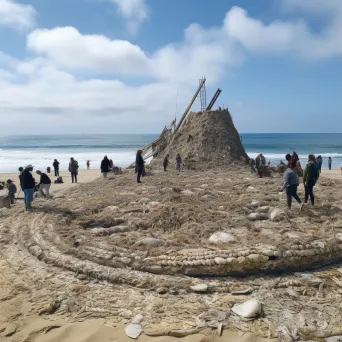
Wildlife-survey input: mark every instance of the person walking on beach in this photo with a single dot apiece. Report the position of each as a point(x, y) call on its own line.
point(329, 163)
point(56, 167)
point(260, 163)
point(88, 164)
point(166, 162)
point(12, 190)
point(291, 182)
point(28, 184)
point(311, 174)
point(178, 163)
point(44, 184)
point(73, 169)
point(319, 161)
point(105, 165)
point(139, 165)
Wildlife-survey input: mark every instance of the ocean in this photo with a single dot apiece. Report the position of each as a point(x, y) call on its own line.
point(41, 150)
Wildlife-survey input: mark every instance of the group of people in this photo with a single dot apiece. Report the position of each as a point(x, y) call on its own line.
point(256, 165)
point(291, 180)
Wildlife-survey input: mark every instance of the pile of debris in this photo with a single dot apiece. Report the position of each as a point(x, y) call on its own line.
point(204, 140)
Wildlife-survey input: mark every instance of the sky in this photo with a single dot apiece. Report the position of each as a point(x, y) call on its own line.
point(131, 66)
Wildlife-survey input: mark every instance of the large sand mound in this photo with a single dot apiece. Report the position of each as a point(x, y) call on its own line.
point(204, 140)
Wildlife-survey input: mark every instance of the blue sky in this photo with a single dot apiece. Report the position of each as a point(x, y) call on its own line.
point(114, 66)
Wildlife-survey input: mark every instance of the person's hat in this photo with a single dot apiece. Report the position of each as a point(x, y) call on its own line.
point(29, 166)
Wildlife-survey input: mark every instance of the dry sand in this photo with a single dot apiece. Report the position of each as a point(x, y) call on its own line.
point(29, 285)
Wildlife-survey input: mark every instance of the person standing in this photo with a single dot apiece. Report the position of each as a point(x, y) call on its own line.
point(260, 163)
point(291, 182)
point(329, 162)
point(105, 165)
point(56, 167)
point(319, 161)
point(311, 174)
point(12, 190)
point(88, 164)
point(44, 184)
point(139, 165)
point(21, 169)
point(252, 165)
point(178, 162)
point(28, 184)
point(166, 162)
point(73, 169)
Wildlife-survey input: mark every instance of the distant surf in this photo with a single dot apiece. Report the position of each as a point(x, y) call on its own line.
point(41, 150)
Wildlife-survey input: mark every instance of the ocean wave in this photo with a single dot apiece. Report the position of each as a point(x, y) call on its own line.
point(301, 156)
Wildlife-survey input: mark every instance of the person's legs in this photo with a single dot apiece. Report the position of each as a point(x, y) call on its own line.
point(73, 177)
point(41, 189)
point(47, 190)
point(57, 172)
point(139, 173)
point(104, 174)
point(295, 195)
point(306, 192)
point(12, 197)
point(311, 185)
point(289, 196)
point(29, 198)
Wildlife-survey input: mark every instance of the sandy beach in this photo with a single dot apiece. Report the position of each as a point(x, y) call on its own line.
point(48, 296)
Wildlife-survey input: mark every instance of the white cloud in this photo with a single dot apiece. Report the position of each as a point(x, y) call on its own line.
point(291, 37)
point(134, 11)
point(16, 15)
point(68, 48)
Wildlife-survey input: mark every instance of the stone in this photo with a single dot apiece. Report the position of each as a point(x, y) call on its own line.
point(188, 193)
point(133, 330)
point(165, 190)
point(200, 288)
point(221, 237)
point(277, 214)
point(153, 204)
point(10, 330)
point(151, 241)
point(251, 189)
point(220, 261)
point(155, 269)
point(138, 319)
point(162, 290)
point(250, 309)
point(257, 216)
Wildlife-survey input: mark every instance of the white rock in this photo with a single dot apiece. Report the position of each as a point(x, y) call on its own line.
point(251, 189)
point(204, 186)
point(221, 237)
point(249, 309)
point(277, 214)
point(138, 319)
point(133, 330)
point(150, 242)
point(153, 204)
point(220, 261)
point(199, 288)
point(188, 193)
point(256, 217)
point(165, 190)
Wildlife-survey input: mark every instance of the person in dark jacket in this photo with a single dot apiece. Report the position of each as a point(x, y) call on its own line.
point(139, 165)
point(178, 163)
point(44, 184)
point(260, 162)
point(311, 174)
point(56, 167)
point(28, 184)
point(319, 162)
point(73, 169)
point(329, 163)
point(291, 182)
point(166, 162)
point(105, 165)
